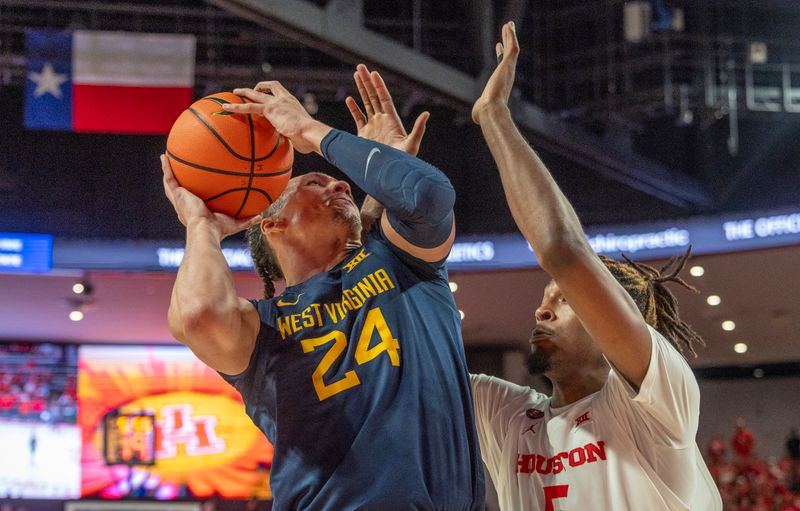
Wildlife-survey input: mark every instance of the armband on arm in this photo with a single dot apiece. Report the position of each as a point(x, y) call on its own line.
point(417, 196)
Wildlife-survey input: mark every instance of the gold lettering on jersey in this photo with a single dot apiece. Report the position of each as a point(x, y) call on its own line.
point(353, 299)
point(384, 279)
point(330, 308)
point(291, 323)
point(355, 260)
point(315, 306)
point(365, 287)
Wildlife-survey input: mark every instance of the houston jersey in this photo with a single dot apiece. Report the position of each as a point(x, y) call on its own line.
point(613, 450)
point(358, 378)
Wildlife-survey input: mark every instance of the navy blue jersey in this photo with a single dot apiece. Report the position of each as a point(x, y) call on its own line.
point(358, 379)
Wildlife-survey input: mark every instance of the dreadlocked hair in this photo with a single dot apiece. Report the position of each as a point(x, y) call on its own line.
point(655, 301)
point(264, 259)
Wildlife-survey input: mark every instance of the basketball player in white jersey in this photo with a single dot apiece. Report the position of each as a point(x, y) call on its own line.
point(618, 433)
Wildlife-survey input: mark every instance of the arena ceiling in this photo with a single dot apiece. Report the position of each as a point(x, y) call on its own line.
point(650, 123)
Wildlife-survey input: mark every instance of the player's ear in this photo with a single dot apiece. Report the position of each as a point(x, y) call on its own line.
point(272, 224)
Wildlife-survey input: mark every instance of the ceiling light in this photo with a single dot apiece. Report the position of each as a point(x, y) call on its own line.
point(740, 348)
point(76, 315)
point(453, 287)
point(82, 288)
point(461, 313)
point(713, 300)
point(728, 325)
point(697, 271)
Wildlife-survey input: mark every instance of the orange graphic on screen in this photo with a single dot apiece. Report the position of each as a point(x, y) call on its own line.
point(204, 443)
point(129, 439)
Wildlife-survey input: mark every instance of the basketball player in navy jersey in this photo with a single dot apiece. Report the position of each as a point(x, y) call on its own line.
point(356, 373)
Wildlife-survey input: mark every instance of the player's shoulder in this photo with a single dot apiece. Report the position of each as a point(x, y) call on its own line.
point(377, 241)
point(264, 306)
point(267, 313)
point(663, 348)
point(491, 387)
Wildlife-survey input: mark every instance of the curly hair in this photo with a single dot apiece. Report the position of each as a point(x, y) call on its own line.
point(655, 301)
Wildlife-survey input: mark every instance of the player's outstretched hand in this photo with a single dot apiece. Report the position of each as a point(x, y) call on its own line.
point(283, 110)
point(381, 122)
point(190, 207)
point(498, 88)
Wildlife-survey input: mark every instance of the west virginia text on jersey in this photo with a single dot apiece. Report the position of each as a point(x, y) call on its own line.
point(318, 315)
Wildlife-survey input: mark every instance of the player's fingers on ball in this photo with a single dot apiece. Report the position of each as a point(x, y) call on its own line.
point(235, 224)
point(169, 177)
point(263, 86)
point(244, 108)
point(273, 86)
point(165, 168)
point(251, 94)
point(266, 86)
point(169, 193)
point(358, 115)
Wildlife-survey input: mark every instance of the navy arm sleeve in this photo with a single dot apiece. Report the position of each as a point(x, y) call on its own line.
point(417, 196)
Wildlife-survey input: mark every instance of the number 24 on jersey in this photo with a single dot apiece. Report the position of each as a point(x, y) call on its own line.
point(374, 322)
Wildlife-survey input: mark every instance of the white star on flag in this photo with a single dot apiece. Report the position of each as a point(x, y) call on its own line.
point(48, 81)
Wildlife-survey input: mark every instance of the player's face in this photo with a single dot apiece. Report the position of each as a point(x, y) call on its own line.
point(559, 343)
point(318, 202)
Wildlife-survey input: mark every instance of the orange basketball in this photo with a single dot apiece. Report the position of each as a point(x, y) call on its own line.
point(238, 164)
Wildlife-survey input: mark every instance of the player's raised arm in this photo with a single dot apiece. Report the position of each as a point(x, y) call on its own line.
point(205, 313)
point(418, 197)
point(379, 121)
point(549, 223)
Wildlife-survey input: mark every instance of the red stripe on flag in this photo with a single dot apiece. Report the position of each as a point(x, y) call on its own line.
point(118, 109)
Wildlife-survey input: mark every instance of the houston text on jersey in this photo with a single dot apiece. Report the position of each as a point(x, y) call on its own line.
point(536, 463)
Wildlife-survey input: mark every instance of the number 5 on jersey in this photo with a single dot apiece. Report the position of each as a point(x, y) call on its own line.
point(374, 322)
point(552, 493)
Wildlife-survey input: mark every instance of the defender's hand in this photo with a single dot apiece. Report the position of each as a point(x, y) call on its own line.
point(381, 122)
point(191, 208)
point(284, 112)
point(498, 88)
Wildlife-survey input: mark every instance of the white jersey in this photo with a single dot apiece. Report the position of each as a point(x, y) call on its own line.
point(616, 449)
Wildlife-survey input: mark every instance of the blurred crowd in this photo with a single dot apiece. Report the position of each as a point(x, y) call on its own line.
point(749, 483)
point(37, 384)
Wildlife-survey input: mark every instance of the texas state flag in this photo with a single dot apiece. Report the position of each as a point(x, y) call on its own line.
point(112, 82)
